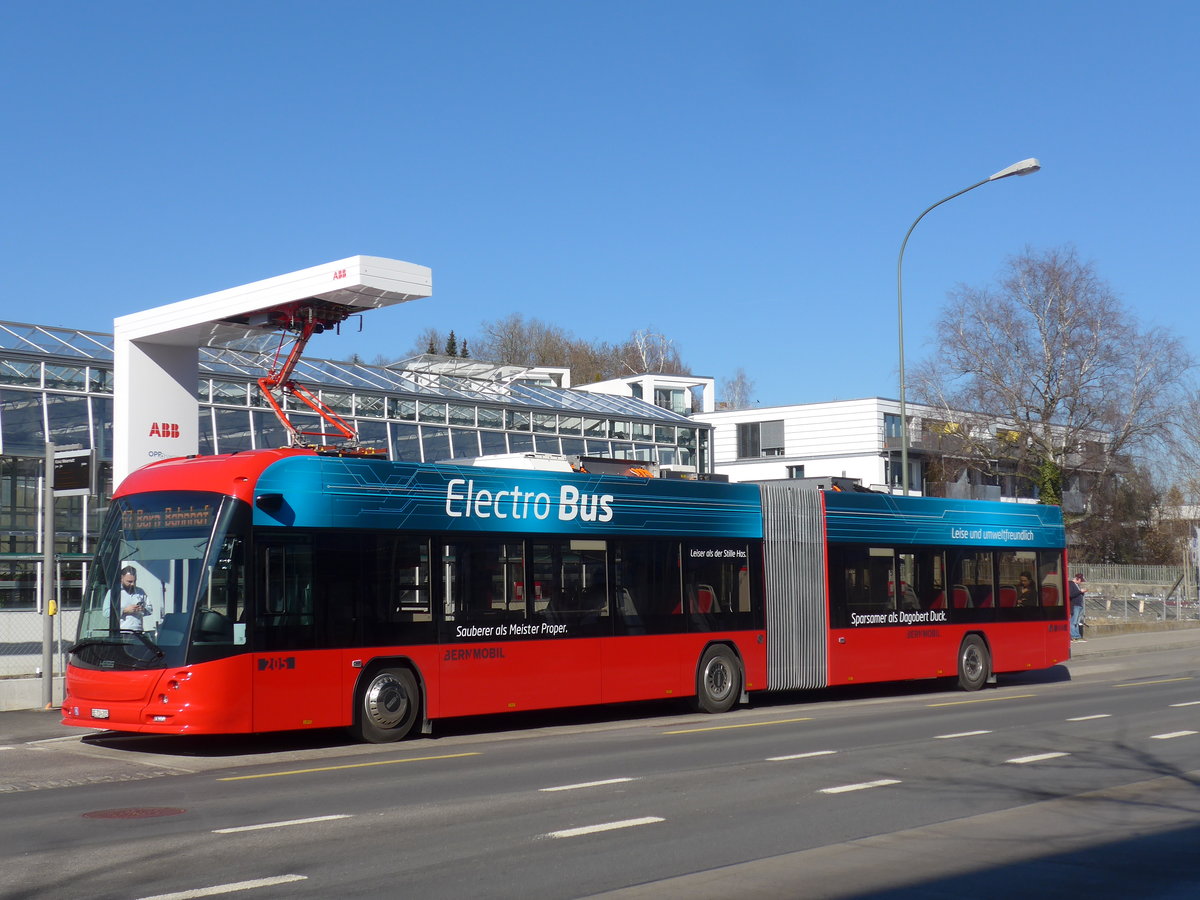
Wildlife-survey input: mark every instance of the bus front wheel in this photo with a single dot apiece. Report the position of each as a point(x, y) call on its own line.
point(388, 706)
point(974, 663)
point(718, 680)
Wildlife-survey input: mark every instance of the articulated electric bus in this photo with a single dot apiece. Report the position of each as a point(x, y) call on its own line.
point(285, 589)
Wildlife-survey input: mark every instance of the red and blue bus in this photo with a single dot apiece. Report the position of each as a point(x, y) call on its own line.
point(286, 589)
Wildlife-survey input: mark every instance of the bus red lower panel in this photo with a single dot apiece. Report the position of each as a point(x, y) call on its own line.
point(477, 679)
point(899, 654)
point(287, 690)
point(212, 698)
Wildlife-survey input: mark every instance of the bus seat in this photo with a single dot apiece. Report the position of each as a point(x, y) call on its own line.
point(985, 598)
point(1049, 595)
point(1008, 595)
point(939, 602)
point(961, 597)
point(706, 599)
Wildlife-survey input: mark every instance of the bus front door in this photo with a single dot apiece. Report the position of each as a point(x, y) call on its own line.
point(298, 678)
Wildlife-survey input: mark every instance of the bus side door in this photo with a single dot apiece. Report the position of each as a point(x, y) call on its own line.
point(298, 677)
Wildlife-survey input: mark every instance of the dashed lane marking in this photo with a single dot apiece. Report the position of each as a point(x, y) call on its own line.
point(606, 826)
point(861, 786)
point(1039, 757)
point(584, 784)
point(230, 888)
point(1156, 681)
point(808, 755)
point(309, 821)
point(739, 725)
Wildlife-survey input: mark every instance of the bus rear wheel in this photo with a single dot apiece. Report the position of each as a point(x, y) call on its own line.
point(718, 681)
point(974, 663)
point(387, 706)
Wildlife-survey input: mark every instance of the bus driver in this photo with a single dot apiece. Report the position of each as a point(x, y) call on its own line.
point(133, 602)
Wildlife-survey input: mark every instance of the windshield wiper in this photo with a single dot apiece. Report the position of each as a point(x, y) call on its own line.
point(89, 642)
point(150, 645)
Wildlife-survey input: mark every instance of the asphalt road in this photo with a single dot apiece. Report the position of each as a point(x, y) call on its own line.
point(1079, 779)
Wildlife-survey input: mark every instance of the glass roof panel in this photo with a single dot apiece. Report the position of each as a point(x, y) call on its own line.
point(428, 376)
point(67, 342)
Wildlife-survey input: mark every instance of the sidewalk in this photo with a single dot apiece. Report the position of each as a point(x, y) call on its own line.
point(1121, 644)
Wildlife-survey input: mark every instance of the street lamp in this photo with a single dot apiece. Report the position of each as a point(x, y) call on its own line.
point(1024, 167)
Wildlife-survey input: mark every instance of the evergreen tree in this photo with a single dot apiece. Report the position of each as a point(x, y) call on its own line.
point(465, 353)
point(451, 344)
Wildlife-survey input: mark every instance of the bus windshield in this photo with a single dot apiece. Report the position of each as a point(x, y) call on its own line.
point(166, 586)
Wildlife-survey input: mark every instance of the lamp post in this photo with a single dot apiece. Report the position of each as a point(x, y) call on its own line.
point(1024, 167)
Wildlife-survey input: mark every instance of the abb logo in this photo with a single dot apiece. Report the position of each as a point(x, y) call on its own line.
point(339, 274)
point(164, 429)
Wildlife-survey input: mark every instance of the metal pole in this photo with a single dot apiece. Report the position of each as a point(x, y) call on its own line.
point(48, 580)
point(900, 331)
point(1024, 167)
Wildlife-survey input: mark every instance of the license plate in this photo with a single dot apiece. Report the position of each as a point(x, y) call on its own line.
point(99, 713)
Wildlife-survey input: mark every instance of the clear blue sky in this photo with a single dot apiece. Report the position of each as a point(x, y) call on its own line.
point(738, 176)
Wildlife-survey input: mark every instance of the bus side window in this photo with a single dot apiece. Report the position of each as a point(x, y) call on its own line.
point(646, 577)
point(285, 620)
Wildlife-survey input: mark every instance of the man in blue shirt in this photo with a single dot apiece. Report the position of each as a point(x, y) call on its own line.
point(1078, 594)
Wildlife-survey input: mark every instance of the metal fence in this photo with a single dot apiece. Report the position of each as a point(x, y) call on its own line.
point(21, 642)
point(22, 624)
point(1139, 593)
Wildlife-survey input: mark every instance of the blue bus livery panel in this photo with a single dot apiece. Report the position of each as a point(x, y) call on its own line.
point(333, 492)
point(933, 521)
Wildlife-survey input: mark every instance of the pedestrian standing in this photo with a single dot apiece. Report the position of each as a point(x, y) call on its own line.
point(1078, 596)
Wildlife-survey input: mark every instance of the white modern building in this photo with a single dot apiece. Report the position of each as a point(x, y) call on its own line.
point(859, 440)
point(854, 439)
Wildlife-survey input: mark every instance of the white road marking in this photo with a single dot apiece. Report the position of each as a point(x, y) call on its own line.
point(606, 826)
point(845, 788)
point(1089, 718)
point(1189, 703)
point(585, 784)
point(1170, 734)
point(230, 888)
point(76, 738)
point(946, 737)
point(1021, 760)
point(278, 824)
point(801, 755)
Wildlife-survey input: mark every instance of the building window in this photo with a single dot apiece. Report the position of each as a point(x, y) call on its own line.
point(795, 471)
point(674, 399)
point(756, 439)
point(891, 425)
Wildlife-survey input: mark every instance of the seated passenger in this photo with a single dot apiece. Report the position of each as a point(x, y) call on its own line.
point(1027, 594)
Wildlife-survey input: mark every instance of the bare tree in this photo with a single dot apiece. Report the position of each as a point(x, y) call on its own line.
point(650, 351)
point(1185, 451)
point(738, 391)
point(516, 340)
point(1050, 372)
